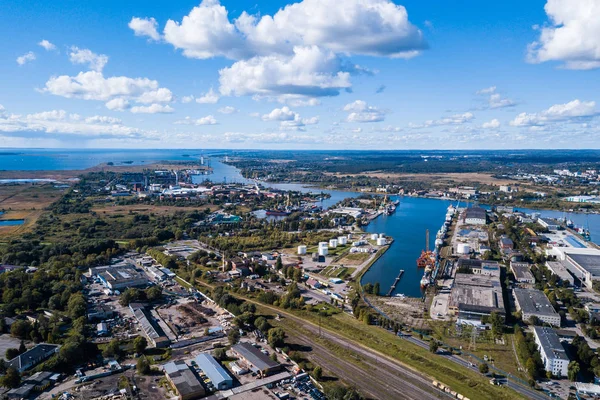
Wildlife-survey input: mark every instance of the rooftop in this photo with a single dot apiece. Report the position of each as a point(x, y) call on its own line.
point(550, 342)
point(589, 262)
point(475, 212)
point(183, 378)
point(33, 355)
point(254, 356)
point(534, 301)
point(212, 369)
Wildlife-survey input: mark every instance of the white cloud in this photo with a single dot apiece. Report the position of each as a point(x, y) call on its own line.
point(495, 100)
point(572, 35)
point(95, 61)
point(47, 45)
point(570, 111)
point(25, 58)
point(209, 97)
point(299, 101)
point(118, 104)
point(152, 109)
point(374, 27)
point(187, 99)
point(493, 124)
point(59, 122)
point(208, 120)
point(144, 27)
point(160, 95)
point(227, 110)
point(309, 72)
point(456, 119)
point(360, 111)
point(92, 85)
point(280, 114)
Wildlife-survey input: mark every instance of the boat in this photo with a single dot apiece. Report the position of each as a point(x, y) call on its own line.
point(400, 295)
point(278, 213)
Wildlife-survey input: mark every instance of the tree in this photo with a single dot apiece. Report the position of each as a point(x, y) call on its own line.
point(139, 344)
point(76, 306)
point(262, 324)
point(484, 368)
point(20, 329)
point(317, 373)
point(220, 354)
point(233, 336)
point(12, 379)
point(112, 349)
point(376, 289)
point(143, 366)
point(276, 337)
point(433, 346)
point(11, 353)
point(154, 293)
point(278, 263)
point(497, 324)
point(573, 370)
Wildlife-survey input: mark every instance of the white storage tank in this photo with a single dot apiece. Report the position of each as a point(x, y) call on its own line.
point(463, 248)
point(381, 235)
point(323, 244)
point(342, 240)
point(301, 250)
point(381, 241)
point(374, 236)
point(323, 251)
point(333, 243)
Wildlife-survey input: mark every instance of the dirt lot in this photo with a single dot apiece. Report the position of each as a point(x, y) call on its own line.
point(8, 342)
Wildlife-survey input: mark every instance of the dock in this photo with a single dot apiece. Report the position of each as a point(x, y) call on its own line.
point(389, 293)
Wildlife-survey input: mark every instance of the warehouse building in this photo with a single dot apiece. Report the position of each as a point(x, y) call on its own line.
point(475, 296)
point(214, 371)
point(534, 303)
point(559, 269)
point(156, 336)
point(118, 278)
point(585, 266)
point(475, 216)
point(255, 359)
point(184, 381)
point(553, 353)
point(32, 357)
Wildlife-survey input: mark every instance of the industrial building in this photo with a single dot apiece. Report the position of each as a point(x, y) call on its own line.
point(183, 379)
point(255, 359)
point(586, 267)
point(559, 269)
point(475, 216)
point(522, 272)
point(534, 303)
point(475, 296)
point(479, 267)
point(214, 371)
point(153, 332)
point(33, 357)
point(548, 223)
point(553, 353)
point(118, 278)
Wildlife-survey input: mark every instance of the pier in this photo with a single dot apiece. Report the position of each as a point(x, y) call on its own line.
point(389, 293)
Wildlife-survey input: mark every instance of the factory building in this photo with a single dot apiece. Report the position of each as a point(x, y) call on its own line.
point(553, 353)
point(255, 359)
point(153, 332)
point(214, 371)
point(585, 266)
point(475, 216)
point(33, 357)
point(522, 272)
point(534, 303)
point(118, 278)
point(475, 296)
point(548, 223)
point(184, 381)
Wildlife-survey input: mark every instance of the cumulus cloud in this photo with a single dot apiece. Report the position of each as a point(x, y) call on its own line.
point(118, 104)
point(495, 100)
point(144, 27)
point(92, 85)
point(47, 45)
point(152, 109)
point(572, 35)
point(280, 114)
point(571, 111)
point(360, 111)
point(208, 120)
point(374, 27)
point(456, 119)
point(25, 58)
point(493, 124)
point(60, 122)
point(187, 99)
point(161, 95)
point(95, 61)
point(209, 97)
point(288, 119)
point(300, 45)
point(227, 110)
point(309, 72)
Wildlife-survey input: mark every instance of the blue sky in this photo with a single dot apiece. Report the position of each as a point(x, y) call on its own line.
point(374, 74)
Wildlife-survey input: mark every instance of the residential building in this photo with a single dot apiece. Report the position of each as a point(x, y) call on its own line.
point(184, 381)
point(553, 353)
point(534, 303)
point(219, 377)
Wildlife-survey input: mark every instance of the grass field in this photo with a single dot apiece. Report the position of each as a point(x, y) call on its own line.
point(334, 271)
point(354, 258)
point(147, 209)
